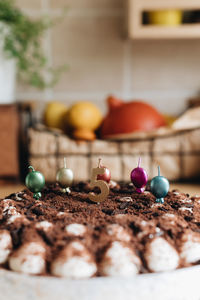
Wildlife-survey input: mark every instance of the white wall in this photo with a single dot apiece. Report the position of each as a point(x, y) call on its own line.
point(90, 40)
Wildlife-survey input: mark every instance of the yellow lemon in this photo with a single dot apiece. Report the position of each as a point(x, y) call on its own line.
point(169, 119)
point(54, 114)
point(84, 115)
point(166, 17)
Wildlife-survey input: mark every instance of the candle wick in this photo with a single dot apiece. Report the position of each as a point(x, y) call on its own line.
point(32, 169)
point(139, 162)
point(158, 170)
point(65, 164)
point(99, 164)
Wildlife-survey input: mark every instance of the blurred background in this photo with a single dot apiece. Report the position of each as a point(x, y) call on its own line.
point(91, 39)
point(112, 78)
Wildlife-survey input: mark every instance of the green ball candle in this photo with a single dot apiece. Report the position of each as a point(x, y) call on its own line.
point(35, 182)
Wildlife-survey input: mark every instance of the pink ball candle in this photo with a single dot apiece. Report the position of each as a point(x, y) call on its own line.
point(106, 176)
point(139, 178)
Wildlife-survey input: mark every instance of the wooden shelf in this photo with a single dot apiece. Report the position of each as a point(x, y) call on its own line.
point(137, 30)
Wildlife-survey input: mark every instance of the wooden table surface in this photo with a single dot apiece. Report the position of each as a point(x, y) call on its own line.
point(192, 189)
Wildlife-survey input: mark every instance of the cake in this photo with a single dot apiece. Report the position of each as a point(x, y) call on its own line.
point(67, 235)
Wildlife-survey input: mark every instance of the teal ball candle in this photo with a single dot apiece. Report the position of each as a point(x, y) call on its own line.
point(35, 182)
point(159, 187)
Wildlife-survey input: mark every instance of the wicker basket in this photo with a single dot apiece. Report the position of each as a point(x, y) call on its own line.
point(178, 154)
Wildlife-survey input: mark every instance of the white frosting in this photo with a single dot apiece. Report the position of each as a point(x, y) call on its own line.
point(75, 267)
point(146, 192)
point(74, 262)
point(120, 216)
point(45, 225)
point(146, 225)
point(143, 223)
point(119, 260)
point(118, 232)
point(17, 196)
point(161, 256)
point(186, 209)
point(156, 205)
point(9, 210)
point(126, 199)
point(78, 246)
point(61, 213)
point(5, 245)
point(29, 259)
point(112, 183)
point(158, 231)
point(76, 229)
point(141, 234)
point(7, 200)
point(13, 218)
point(186, 200)
point(168, 216)
point(176, 193)
point(151, 235)
point(38, 203)
point(6, 204)
point(190, 250)
point(11, 213)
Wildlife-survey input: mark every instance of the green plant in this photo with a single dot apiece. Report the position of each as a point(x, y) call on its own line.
point(22, 40)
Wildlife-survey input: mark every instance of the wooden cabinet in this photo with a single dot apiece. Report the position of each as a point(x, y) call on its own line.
point(137, 30)
point(9, 141)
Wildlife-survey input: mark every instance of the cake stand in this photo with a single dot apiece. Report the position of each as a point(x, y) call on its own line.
point(183, 284)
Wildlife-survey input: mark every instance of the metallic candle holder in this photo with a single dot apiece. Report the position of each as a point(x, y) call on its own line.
point(65, 178)
point(139, 178)
point(35, 182)
point(159, 187)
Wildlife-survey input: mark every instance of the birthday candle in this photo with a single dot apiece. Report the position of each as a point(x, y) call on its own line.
point(65, 177)
point(159, 187)
point(101, 184)
point(139, 178)
point(35, 182)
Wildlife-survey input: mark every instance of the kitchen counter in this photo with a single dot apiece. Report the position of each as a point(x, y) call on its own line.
point(192, 189)
point(7, 189)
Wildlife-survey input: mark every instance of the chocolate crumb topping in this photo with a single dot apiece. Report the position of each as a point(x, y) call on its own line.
point(134, 220)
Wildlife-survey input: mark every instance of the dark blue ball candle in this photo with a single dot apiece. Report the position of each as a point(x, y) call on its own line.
point(159, 187)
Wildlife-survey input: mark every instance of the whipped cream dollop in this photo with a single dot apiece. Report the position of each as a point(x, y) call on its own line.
point(29, 258)
point(6, 203)
point(118, 232)
point(119, 260)
point(190, 248)
point(10, 212)
point(44, 225)
point(160, 256)
point(5, 245)
point(15, 217)
point(74, 261)
point(146, 228)
point(76, 229)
